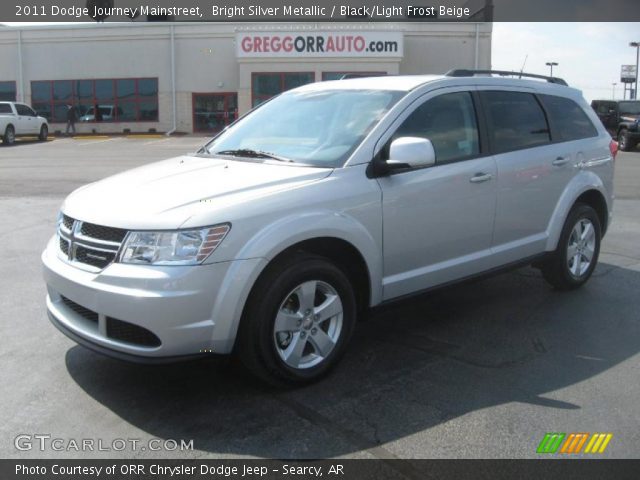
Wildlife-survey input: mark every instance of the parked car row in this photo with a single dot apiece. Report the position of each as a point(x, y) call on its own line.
point(21, 120)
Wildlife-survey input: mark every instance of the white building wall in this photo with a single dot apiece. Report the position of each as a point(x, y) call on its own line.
point(205, 58)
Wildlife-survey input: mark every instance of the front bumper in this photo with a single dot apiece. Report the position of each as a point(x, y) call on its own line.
point(191, 310)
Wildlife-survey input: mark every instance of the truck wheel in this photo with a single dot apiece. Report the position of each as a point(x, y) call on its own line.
point(576, 256)
point(44, 132)
point(297, 322)
point(9, 135)
point(624, 143)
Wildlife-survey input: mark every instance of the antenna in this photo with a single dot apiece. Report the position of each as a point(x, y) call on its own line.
point(523, 64)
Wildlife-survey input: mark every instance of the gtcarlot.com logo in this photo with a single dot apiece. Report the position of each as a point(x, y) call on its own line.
point(47, 442)
point(574, 443)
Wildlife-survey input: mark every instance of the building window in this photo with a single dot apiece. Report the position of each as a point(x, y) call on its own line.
point(118, 100)
point(8, 91)
point(267, 85)
point(213, 111)
point(339, 75)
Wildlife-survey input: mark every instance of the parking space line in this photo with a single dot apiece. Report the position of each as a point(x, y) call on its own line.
point(153, 142)
point(93, 142)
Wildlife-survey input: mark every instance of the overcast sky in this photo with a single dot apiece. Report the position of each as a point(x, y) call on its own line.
point(589, 54)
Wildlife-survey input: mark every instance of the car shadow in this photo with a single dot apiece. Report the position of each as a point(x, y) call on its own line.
point(25, 141)
point(411, 366)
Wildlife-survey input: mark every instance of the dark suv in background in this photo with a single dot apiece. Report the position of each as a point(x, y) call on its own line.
point(620, 118)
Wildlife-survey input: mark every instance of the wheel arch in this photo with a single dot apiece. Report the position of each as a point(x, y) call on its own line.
point(343, 254)
point(595, 200)
point(587, 188)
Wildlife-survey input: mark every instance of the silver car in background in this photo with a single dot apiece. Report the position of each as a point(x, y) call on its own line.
point(325, 201)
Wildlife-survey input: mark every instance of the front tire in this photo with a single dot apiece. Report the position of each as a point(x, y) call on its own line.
point(576, 256)
point(298, 321)
point(44, 132)
point(9, 137)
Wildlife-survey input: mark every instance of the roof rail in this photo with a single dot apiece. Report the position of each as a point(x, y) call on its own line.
point(348, 76)
point(503, 73)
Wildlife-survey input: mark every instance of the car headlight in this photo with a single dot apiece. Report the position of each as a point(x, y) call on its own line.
point(178, 247)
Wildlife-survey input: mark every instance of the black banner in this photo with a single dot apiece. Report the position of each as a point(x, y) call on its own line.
point(321, 11)
point(581, 469)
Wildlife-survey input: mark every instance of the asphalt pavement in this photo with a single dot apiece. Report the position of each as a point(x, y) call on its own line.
point(479, 370)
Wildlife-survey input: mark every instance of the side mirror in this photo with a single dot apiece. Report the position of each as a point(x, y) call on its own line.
point(411, 152)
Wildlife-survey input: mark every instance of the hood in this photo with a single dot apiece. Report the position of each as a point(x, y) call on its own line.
point(628, 117)
point(166, 194)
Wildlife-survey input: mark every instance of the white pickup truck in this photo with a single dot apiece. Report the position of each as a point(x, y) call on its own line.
point(18, 119)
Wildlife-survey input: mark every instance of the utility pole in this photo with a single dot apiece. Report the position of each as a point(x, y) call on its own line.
point(637, 45)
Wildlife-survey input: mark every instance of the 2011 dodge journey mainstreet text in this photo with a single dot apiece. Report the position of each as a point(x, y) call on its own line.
point(324, 201)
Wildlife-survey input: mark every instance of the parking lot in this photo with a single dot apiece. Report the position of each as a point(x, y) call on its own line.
point(479, 370)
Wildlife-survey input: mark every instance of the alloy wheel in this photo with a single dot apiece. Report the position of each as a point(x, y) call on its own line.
point(308, 324)
point(581, 247)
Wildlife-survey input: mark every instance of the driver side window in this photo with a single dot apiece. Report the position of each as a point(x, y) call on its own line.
point(449, 121)
point(24, 110)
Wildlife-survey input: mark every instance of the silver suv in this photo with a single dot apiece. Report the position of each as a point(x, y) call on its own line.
point(325, 201)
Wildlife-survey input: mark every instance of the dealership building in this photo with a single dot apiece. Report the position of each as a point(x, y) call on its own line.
point(198, 77)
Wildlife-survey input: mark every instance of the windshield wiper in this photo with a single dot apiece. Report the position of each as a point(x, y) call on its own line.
point(249, 153)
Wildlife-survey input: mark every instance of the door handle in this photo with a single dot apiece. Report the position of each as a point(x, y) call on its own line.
point(558, 162)
point(481, 177)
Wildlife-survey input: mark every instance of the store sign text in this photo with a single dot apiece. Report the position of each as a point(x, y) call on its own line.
point(320, 44)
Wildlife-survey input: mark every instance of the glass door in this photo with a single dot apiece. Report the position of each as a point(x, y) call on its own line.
point(214, 111)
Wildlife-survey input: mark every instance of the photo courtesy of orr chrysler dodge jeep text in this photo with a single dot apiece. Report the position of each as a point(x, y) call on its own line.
point(322, 202)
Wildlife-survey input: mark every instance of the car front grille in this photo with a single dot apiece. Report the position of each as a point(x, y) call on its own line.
point(87, 245)
point(109, 234)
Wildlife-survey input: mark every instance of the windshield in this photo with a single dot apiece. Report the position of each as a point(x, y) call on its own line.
point(318, 128)
point(630, 107)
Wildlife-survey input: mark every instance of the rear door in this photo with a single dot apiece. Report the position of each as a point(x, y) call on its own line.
point(438, 221)
point(534, 162)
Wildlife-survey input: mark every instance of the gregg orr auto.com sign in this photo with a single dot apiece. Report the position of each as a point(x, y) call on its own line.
point(319, 44)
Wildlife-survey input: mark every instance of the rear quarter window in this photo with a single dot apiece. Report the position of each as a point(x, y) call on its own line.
point(570, 122)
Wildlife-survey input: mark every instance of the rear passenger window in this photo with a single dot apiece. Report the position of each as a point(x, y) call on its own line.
point(516, 120)
point(449, 121)
point(568, 119)
point(5, 108)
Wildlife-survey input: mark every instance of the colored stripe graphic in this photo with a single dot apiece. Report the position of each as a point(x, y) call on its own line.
point(574, 443)
point(550, 442)
point(598, 443)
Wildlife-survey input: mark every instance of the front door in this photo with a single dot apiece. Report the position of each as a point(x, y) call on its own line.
point(438, 221)
point(27, 122)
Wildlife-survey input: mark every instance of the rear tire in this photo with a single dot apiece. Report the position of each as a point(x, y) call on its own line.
point(575, 258)
point(9, 137)
point(298, 321)
point(624, 143)
point(44, 132)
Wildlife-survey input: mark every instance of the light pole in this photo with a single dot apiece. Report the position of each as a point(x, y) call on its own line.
point(613, 92)
point(637, 45)
point(551, 65)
